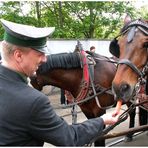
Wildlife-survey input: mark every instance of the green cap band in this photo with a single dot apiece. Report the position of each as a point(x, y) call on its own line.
point(39, 43)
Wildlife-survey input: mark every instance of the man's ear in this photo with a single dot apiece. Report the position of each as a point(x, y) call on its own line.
point(18, 55)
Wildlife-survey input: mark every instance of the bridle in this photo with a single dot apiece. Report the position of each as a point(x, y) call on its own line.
point(132, 28)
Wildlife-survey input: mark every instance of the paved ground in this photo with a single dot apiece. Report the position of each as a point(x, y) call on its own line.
point(139, 140)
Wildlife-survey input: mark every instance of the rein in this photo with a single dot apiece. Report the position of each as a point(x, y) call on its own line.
point(122, 118)
point(106, 90)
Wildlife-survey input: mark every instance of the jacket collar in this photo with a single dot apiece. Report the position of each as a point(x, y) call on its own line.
point(12, 75)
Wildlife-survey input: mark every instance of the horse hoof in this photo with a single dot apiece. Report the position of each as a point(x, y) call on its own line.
point(128, 139)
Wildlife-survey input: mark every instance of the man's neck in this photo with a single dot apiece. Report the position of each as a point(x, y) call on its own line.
point(9, 65)
point(14, 68)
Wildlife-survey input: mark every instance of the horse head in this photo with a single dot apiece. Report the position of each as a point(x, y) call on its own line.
point(60, 70)
point(132, 50)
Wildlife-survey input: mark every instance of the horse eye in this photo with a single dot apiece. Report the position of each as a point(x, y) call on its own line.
point(145, 45)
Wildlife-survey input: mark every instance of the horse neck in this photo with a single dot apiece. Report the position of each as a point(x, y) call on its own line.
point(67, 79)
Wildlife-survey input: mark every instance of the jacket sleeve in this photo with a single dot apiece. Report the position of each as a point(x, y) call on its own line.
point(47, 126)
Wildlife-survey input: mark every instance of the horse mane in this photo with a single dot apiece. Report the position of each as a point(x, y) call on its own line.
point(61, 60)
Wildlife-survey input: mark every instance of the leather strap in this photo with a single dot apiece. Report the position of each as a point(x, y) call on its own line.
point(131, 65)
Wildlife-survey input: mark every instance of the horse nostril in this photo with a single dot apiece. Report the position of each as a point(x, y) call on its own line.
point(123, 91)
point(124, 88)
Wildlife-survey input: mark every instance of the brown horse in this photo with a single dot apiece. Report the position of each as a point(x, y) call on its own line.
point(66, 71)
point(132, 71)
point(132, 49)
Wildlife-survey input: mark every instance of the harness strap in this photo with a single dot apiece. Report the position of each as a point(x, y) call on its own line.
point(85, 81)
point(91, 64)
point(131, 65)
point(144, 31)
point(92, 84)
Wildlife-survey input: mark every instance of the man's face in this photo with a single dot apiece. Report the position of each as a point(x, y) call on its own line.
point(93, 50)
point(31, 60)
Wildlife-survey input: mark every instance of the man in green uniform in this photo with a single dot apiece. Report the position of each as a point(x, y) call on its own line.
point(26, 116)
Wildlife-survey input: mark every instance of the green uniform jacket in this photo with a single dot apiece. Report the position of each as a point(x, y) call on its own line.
point(28, 119)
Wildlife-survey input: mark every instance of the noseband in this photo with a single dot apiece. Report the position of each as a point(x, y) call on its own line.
point(132, 28)
point(127, 62)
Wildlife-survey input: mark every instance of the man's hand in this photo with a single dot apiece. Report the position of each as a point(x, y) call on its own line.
point(109, 119)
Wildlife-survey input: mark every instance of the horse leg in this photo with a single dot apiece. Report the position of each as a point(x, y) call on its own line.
point(143, 116)
point(129, 137)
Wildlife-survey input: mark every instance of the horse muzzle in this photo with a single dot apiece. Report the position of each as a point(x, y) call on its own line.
point(123, 91)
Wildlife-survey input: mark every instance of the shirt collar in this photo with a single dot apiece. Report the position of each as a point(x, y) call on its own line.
point(12, 74)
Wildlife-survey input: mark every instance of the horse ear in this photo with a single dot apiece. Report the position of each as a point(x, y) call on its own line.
point(127, 19)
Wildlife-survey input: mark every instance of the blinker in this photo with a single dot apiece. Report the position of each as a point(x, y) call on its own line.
point(114, 48)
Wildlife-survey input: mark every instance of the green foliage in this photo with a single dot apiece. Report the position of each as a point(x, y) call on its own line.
point(143, 13)
point(73, 20)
